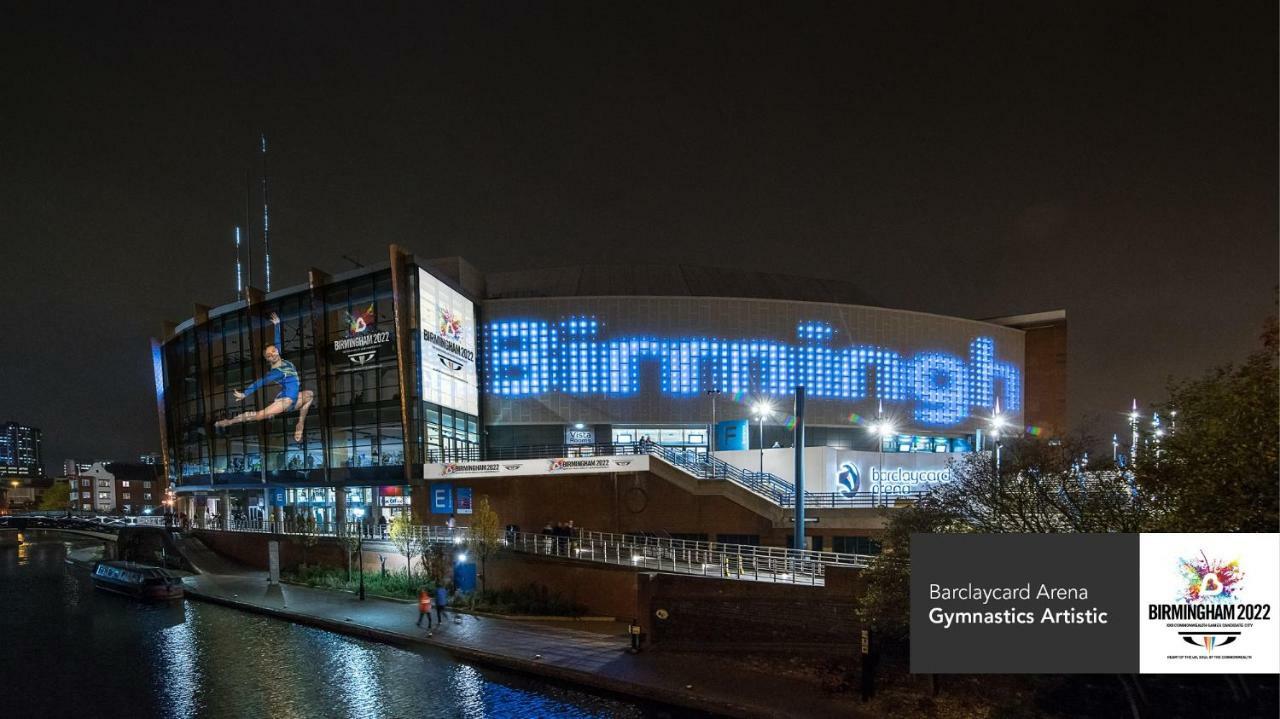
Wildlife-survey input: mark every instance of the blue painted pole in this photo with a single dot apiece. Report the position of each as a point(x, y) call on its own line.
point(798, 542)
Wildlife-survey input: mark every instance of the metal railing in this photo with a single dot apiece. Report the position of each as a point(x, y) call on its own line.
point(699, 464)
point(710, 559)
point(103, 520)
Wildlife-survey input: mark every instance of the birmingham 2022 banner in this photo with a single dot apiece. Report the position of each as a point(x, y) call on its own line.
point(1095, 603)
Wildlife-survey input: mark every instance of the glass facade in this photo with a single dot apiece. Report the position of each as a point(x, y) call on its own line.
point(338, 366)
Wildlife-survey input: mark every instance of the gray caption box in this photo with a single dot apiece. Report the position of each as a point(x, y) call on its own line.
point(1106, 565)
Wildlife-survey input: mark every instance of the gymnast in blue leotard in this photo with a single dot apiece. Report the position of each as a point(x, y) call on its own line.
point(291, 393)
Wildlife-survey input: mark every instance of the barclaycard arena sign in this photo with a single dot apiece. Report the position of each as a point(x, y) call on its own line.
point(536, 358)
point(848, 472)
point(854, 477)
point(532, 467)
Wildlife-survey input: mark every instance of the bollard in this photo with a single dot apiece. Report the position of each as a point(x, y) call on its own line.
point(634, 631)
point(870, 656)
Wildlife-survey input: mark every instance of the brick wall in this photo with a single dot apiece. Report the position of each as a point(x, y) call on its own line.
point(1046, 377)
point(632, 502)
point(720, 613)
point(250, 549)
point(606, 591)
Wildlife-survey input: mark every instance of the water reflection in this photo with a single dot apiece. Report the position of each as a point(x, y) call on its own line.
point(188, 659)
point(179, 675)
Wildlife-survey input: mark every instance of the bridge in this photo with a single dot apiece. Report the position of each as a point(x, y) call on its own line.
point(128, 538)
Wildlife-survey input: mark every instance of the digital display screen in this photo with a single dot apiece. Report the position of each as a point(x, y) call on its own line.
point(447, 334)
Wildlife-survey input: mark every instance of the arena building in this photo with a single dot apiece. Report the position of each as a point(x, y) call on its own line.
point(418, 385)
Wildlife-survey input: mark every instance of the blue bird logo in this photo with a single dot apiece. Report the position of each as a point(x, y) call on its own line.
point(848, 479)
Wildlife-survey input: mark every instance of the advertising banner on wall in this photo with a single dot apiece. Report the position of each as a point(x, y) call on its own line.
point(530, 467)
point(447, 334)
point(463, 503)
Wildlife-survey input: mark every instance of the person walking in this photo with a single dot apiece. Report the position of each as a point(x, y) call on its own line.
point(442, 596)
point(548, 535)
point(382, 526)
point(424, 606)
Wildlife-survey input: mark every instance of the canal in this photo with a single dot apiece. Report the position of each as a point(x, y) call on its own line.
point(72, 651)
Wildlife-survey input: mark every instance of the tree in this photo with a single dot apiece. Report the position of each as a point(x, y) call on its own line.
point(1039, 486)
point(1216, 471)
point(58, 497)
point(404, 536)
point(307, 535)
point(350, 541)
point(486, 534)
point(434, 562)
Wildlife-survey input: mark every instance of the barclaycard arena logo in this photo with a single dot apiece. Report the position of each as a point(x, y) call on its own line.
point(527, 358)
point(360, 344)
point(848, 480)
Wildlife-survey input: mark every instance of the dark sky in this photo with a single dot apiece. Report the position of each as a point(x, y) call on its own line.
point(1115, 159)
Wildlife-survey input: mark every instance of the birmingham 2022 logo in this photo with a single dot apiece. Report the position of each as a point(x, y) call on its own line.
point(361, 341)
point(1212, 581)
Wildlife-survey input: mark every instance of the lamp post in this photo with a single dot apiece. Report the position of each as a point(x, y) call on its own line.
point(998, 423)
point(882, 429)
point(359, 512)
point(762, 410)
point(1133, 433)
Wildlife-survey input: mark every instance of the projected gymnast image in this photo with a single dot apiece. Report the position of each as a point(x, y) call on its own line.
point(291, 395)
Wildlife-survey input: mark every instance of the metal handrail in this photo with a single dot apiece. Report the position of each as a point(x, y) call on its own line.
point(713, 559)
point(701, 465)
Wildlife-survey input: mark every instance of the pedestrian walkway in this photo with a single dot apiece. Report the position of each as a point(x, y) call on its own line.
point(591, 658)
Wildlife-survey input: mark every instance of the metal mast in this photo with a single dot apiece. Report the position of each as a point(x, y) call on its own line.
point(266, 216)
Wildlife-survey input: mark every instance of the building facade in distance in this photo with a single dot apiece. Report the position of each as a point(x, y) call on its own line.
point(116, 487)
point(20, 454)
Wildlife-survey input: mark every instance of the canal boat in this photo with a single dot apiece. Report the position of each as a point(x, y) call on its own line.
point(139, 581)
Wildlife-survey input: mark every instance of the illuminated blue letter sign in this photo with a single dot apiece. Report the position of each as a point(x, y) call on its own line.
point(442, 498)
point(526, 358)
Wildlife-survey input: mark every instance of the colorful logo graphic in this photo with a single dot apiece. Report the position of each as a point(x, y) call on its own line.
point(359, 321)
point(848, 480)
point(1209, 581)
point(1209, 640)
point(450, 325)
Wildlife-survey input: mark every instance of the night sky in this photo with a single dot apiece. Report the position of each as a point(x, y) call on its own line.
point(1116, 159)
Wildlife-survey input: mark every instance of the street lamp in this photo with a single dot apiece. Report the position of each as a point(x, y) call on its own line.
point(762, 409)
point(998, 422)
point(883, 429)
point(359, 512)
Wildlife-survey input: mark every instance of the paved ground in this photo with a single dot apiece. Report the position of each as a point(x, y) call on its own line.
point(595, 657)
